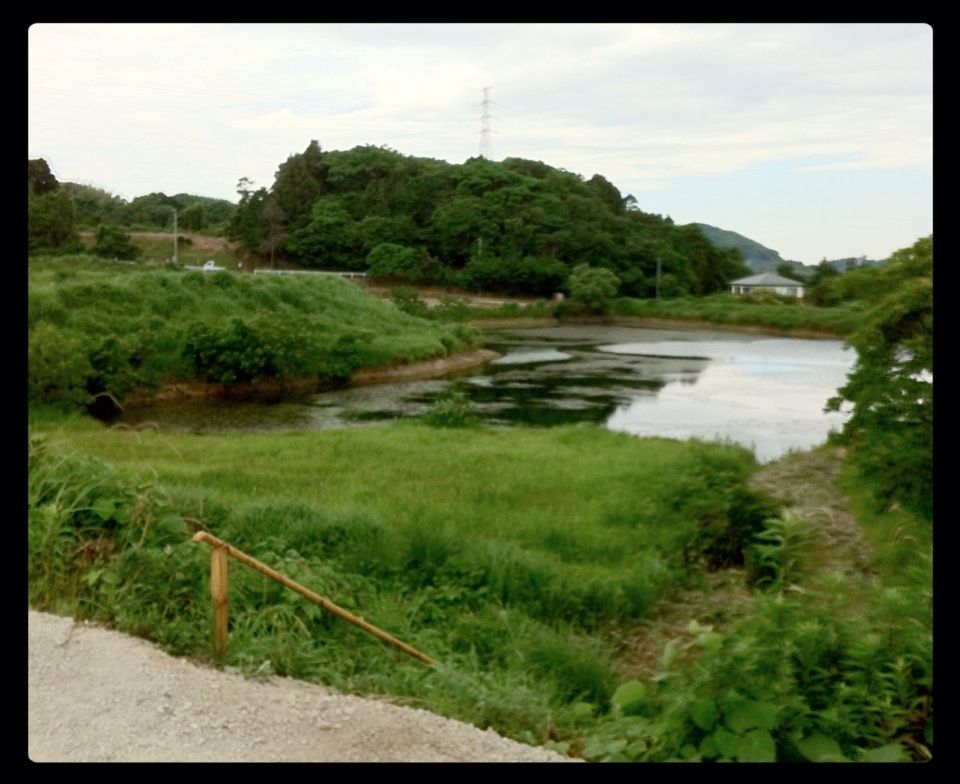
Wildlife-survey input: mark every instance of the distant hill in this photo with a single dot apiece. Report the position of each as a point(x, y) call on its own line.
point(763, 259)
point(758, 258)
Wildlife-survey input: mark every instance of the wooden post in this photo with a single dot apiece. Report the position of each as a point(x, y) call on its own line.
point(218, 591)
point(218, 545)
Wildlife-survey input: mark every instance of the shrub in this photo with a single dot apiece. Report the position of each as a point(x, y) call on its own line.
point(113, 242)
point(593, 288)
point(389, 260)
point(407, 300)
point(452, 409)
point(58, 366)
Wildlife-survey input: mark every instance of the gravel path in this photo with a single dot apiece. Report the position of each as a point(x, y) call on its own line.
point(96, 695)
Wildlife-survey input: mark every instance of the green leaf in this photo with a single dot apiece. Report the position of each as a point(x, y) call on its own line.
point(708, 748)
point(820, 748)
point(561, 747)
point(689, 753)
point(747, 714)
point(104, 508)
point(91, 577)
point(670, 651)
point(703, 712)
point(892, 752)
point(629, 697)
point(581, 711)
point(726, 743)
point(603, 748)
point(757, 746)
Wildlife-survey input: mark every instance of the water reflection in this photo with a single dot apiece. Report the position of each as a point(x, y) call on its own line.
point(764, 392)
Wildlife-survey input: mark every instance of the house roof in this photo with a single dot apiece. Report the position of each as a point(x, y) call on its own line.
point(765, 279)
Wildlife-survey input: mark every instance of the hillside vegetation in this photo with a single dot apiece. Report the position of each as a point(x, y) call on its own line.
point(517, 226)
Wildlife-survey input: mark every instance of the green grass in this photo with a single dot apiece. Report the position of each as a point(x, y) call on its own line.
point(97, 327)
point(728, 309)
point(512, 557)
point(446, 538)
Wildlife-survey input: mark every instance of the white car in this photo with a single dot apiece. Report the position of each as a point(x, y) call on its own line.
point(210, 266)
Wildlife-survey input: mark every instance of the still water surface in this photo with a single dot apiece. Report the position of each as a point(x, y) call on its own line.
point(763, 392)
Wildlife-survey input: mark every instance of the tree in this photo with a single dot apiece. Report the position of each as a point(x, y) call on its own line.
point(890, 431)
point(113, 242)
point(787, 269)
point(276, 229)
point(389, 260)
point(247, 224)
point(593, 287)
point(51, 221)
point(40, 179)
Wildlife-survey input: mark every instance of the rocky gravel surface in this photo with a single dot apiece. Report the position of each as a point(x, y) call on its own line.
point(95, 695)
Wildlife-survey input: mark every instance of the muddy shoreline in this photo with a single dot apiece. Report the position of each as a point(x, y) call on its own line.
point(521, 322)
point(272, 389)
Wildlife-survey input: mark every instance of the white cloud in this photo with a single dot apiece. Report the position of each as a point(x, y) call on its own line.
point(648, 106)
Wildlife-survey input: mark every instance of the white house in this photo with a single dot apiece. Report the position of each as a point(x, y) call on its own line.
point(767, 281)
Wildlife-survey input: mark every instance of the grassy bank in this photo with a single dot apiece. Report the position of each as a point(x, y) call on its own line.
point(726, 309)
point(515, 558)
point(108, 328)
point(772, 313)
point(450, 541)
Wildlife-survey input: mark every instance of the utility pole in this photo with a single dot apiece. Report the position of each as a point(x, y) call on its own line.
point(485, 145)
point(175, 255)
point(658, 278)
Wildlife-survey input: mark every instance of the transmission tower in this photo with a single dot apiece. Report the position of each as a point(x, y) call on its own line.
point(485, 145)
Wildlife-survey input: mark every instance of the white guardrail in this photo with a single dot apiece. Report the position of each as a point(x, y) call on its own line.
point(309, 272)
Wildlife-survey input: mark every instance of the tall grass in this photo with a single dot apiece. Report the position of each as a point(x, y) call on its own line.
point(502, 574)
point(508, 556)
point(728, 309)
point(96, 328)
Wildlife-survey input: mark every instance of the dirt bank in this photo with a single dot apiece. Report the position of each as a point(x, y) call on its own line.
point(270, 390)
point(430, 368)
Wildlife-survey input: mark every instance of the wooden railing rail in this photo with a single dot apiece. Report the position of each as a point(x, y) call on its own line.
point(219, 550)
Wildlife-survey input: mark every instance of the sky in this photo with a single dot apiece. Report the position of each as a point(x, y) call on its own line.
point(815, 140)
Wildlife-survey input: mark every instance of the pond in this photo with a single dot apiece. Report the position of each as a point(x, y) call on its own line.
point(764, 392)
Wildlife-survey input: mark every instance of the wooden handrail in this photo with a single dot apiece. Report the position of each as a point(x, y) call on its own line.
point(218, 588)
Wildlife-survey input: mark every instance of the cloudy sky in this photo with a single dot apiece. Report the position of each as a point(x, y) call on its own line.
point(813, 139)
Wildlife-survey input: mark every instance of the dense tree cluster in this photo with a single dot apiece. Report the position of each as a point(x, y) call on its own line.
point(891, 386)
point(516, 225)
point(57, 209)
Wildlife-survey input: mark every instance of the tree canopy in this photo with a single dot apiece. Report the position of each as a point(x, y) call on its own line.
point(890, 431)
point(516, 225)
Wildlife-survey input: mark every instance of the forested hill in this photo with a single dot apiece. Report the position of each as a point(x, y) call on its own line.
point(760, 258)
point(516, 225)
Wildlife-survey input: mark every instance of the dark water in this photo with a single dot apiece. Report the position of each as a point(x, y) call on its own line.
point(767, 393)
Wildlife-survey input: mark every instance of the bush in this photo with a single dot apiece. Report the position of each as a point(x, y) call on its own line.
point(407, 300)
point(389, 260)
point(58, 367)
point(593, 288)
point(452, 409)
point(529, 275)
point(113, 242)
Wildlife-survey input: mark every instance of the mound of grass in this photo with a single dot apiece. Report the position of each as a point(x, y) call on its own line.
point(96, 328)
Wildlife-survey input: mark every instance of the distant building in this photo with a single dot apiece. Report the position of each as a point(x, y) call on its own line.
point(767, 281)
